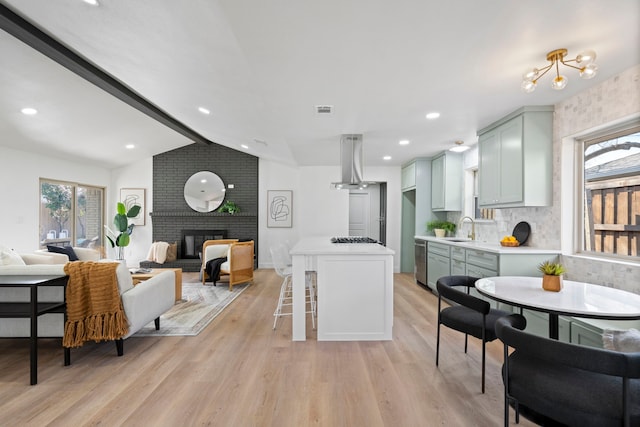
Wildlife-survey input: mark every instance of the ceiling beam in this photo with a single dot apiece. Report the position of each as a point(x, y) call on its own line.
point(33, 36)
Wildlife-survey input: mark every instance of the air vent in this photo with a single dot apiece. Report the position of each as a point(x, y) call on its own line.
point(324, 109)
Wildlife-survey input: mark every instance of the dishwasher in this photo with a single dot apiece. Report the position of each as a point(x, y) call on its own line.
point(421, 261)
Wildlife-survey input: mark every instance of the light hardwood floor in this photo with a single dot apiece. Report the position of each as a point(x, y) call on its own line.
point(239, 372)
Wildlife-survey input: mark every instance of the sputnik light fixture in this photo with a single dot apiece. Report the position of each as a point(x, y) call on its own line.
point(588, 69)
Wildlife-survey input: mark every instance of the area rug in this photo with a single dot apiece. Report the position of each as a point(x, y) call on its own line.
point(198, 307)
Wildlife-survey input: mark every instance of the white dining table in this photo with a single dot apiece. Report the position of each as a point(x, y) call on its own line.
point(578, 299)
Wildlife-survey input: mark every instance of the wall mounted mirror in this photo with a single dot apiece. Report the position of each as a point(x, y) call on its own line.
point(204, 191)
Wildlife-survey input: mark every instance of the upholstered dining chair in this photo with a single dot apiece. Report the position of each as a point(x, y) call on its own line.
point(567, 383)
point(468, 314)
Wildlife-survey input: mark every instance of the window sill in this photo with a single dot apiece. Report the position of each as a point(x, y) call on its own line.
point(621, 262)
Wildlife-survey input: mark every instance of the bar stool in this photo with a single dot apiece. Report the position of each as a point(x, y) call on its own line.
point(282, 265)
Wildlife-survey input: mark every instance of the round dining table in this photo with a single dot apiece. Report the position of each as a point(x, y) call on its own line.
point(577, 299)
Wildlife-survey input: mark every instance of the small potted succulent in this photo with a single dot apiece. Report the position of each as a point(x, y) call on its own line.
point(440, 228)
point(551, 275)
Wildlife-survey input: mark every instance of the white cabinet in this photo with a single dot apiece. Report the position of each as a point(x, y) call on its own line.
point(515, 159)
point(446, 182)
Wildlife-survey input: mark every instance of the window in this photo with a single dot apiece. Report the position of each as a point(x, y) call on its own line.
point(479, 213)
point(610, 214)
point(71, 214)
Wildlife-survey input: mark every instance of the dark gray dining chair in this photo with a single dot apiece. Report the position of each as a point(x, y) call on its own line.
point(468, 314)
point(567, 383)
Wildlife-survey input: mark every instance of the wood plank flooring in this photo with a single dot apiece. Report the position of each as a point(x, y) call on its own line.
point(239, 372)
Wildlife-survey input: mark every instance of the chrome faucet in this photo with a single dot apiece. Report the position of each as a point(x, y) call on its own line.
point(471, 235)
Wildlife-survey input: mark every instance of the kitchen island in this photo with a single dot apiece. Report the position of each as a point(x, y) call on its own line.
point(355, 289)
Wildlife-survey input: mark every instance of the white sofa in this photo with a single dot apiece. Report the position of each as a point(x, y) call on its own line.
point(142, 304)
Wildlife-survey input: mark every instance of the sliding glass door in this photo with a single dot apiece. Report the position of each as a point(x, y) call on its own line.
point(71, 214)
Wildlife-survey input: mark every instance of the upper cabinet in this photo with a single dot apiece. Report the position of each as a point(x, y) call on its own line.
point(515, 159)
point(446, 182)
point(409, 176)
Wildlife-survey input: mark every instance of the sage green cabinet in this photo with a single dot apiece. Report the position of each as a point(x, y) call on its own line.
point(438, 263)
point(446, 182)
point(515, 157)
point(408, 178)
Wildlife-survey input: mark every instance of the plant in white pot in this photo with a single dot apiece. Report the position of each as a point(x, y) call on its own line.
point(440, 228)
point(121, 222)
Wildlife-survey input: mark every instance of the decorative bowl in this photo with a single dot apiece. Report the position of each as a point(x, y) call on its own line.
point(510, 244)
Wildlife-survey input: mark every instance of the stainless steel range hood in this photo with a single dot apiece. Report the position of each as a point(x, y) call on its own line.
point(351, 159)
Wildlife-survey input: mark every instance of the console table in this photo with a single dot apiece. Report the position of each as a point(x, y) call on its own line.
point(33, 309)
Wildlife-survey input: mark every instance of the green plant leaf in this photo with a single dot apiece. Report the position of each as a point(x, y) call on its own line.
point(121, 209)
point(123, 240)
point(134, 211)
point(121, 222)
point(113, 244)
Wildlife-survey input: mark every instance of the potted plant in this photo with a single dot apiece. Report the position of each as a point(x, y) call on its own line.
point(121, 221)
point(440, 228)
point(229, 207)
point(551, 276)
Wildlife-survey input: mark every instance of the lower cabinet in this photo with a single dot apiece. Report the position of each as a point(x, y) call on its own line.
point(437, 267)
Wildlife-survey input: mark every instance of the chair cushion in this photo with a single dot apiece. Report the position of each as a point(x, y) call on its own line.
point(66, 250)
point(569, 395)
point(216, 251)
point(469, 321)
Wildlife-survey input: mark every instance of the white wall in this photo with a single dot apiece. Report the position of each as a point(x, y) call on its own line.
point(20, 173)
point(137, 175)
point(319, 210)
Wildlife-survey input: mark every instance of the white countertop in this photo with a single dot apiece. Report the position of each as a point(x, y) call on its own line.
point(323, 246)
point(487, 246)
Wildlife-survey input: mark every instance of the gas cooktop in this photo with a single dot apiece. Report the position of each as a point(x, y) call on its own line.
point(353, 239)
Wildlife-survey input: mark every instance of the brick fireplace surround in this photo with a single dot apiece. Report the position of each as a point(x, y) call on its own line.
point(171, 215)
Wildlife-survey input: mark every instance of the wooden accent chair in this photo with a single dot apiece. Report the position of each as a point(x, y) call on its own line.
point(239, 264)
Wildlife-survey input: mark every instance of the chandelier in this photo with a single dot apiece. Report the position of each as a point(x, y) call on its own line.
point(584, 63)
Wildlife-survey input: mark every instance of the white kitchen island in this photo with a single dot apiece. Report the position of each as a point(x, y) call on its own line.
point(355, 289)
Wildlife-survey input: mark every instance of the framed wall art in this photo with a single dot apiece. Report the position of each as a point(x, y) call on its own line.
point(134, 196)
point(279, 208)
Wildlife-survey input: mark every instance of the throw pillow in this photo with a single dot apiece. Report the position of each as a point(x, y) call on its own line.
point(66, 250)
point(10, 257)
point(172, 252)
point(624, 341)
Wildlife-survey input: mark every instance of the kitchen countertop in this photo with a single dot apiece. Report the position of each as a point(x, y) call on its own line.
point(487, 246)
point(323, 246)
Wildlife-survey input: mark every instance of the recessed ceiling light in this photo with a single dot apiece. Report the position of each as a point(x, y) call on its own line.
point(386, 158)
point(29, 111)
point(204, 110)
point(92, 2)
point(433, 115)
point(130, 146)
point(403, 142)
point(246, 147)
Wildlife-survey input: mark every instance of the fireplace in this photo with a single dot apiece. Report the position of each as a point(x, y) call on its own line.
point(192, 241)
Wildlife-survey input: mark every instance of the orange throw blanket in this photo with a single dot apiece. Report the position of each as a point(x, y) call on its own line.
point(94, 307)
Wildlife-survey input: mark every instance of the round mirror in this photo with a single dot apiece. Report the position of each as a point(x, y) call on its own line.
point(204, 191)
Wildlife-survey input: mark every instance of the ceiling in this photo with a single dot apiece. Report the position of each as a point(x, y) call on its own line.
point(261, 68)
